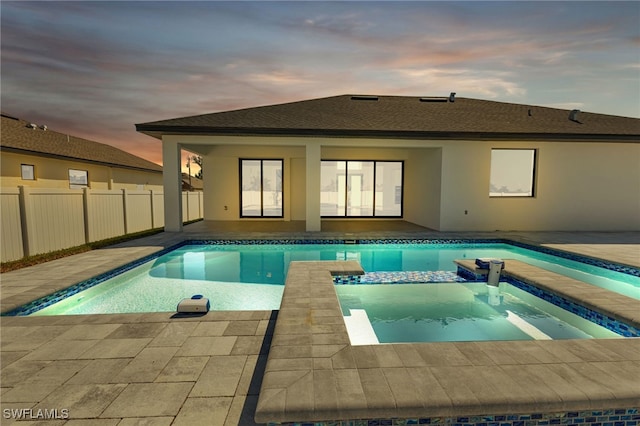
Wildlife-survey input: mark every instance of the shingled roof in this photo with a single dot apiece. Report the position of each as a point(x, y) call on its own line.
point(21, 136)
point(403, 117)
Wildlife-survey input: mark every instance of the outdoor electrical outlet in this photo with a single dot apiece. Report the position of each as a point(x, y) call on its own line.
point(226, 207)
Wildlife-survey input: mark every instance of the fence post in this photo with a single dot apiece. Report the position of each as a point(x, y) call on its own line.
point(26, 217)
point(86, 193)
point(125, 210)
point(153, 222)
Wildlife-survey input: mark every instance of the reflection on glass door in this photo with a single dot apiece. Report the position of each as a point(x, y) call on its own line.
point(261, 188)
point(361, 188)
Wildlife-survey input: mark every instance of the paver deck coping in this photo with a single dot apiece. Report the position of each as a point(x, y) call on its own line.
point(328, 381)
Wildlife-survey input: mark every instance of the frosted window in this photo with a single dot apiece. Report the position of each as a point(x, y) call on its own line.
point(512, 172)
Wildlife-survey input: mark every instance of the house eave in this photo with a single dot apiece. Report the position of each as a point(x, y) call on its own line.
point(159, 131)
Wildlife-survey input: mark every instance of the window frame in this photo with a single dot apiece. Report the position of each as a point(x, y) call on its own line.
point(29, 168)
point(79, 185)
point(534, 174)
point(262, 215)
point(374, 185)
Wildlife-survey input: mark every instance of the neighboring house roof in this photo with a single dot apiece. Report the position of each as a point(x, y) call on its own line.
point(191, 183)
point(21, 136)
point(403, 116)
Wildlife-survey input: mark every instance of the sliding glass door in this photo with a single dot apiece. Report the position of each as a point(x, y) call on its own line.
point(261, 188)
point(361, 188)
point(388, 193)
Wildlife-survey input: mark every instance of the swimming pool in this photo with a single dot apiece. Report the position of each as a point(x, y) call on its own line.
point(249, 275)
point(407, 313)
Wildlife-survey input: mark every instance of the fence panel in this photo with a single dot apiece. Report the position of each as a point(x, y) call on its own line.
point(158, 209)
point(54, 219)
point(185, 206)
point(193, 206)
point(11, 237)
point(105, 214)
point(41, 220)
point(138, 211)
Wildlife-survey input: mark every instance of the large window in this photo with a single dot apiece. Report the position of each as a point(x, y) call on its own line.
point(261, 188)
point(361, 188)
point(512, 173)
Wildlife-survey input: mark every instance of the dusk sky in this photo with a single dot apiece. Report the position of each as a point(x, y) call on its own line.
point(94, 69)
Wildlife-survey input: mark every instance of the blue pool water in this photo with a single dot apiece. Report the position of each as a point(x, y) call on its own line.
point(251, 276)
point(456, 312)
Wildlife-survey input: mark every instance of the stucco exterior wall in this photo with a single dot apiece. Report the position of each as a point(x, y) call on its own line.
point(590, 187)
point(54, 173)
point(422, 187)
point(221, 179)
point(136, 179)
point(297, 179)
point(579, 187)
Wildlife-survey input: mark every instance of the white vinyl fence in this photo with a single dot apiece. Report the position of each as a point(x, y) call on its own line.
point(41, 220)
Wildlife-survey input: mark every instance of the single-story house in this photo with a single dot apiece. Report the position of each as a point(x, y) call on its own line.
point(36, 156)
point(446, 163)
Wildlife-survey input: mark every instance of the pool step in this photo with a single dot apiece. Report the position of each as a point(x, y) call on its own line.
point(359, 328)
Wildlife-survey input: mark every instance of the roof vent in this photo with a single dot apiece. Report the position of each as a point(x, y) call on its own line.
point(364, 98)
point(433, 99)
point(573, 115)
point(43, 127)
point(452, 97)
point(32, 126)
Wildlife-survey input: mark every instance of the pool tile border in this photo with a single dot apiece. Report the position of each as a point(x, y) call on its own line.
point(401, 277)
point(622, 328)
point(607, 417)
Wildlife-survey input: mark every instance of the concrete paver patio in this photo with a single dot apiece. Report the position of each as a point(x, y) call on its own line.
point(198, 370)
point(153, 369)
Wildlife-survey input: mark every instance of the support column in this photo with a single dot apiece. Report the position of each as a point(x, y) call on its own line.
point(313, 186)
point(172, 182)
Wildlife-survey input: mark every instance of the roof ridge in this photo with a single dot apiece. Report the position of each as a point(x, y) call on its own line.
point(246, 108)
